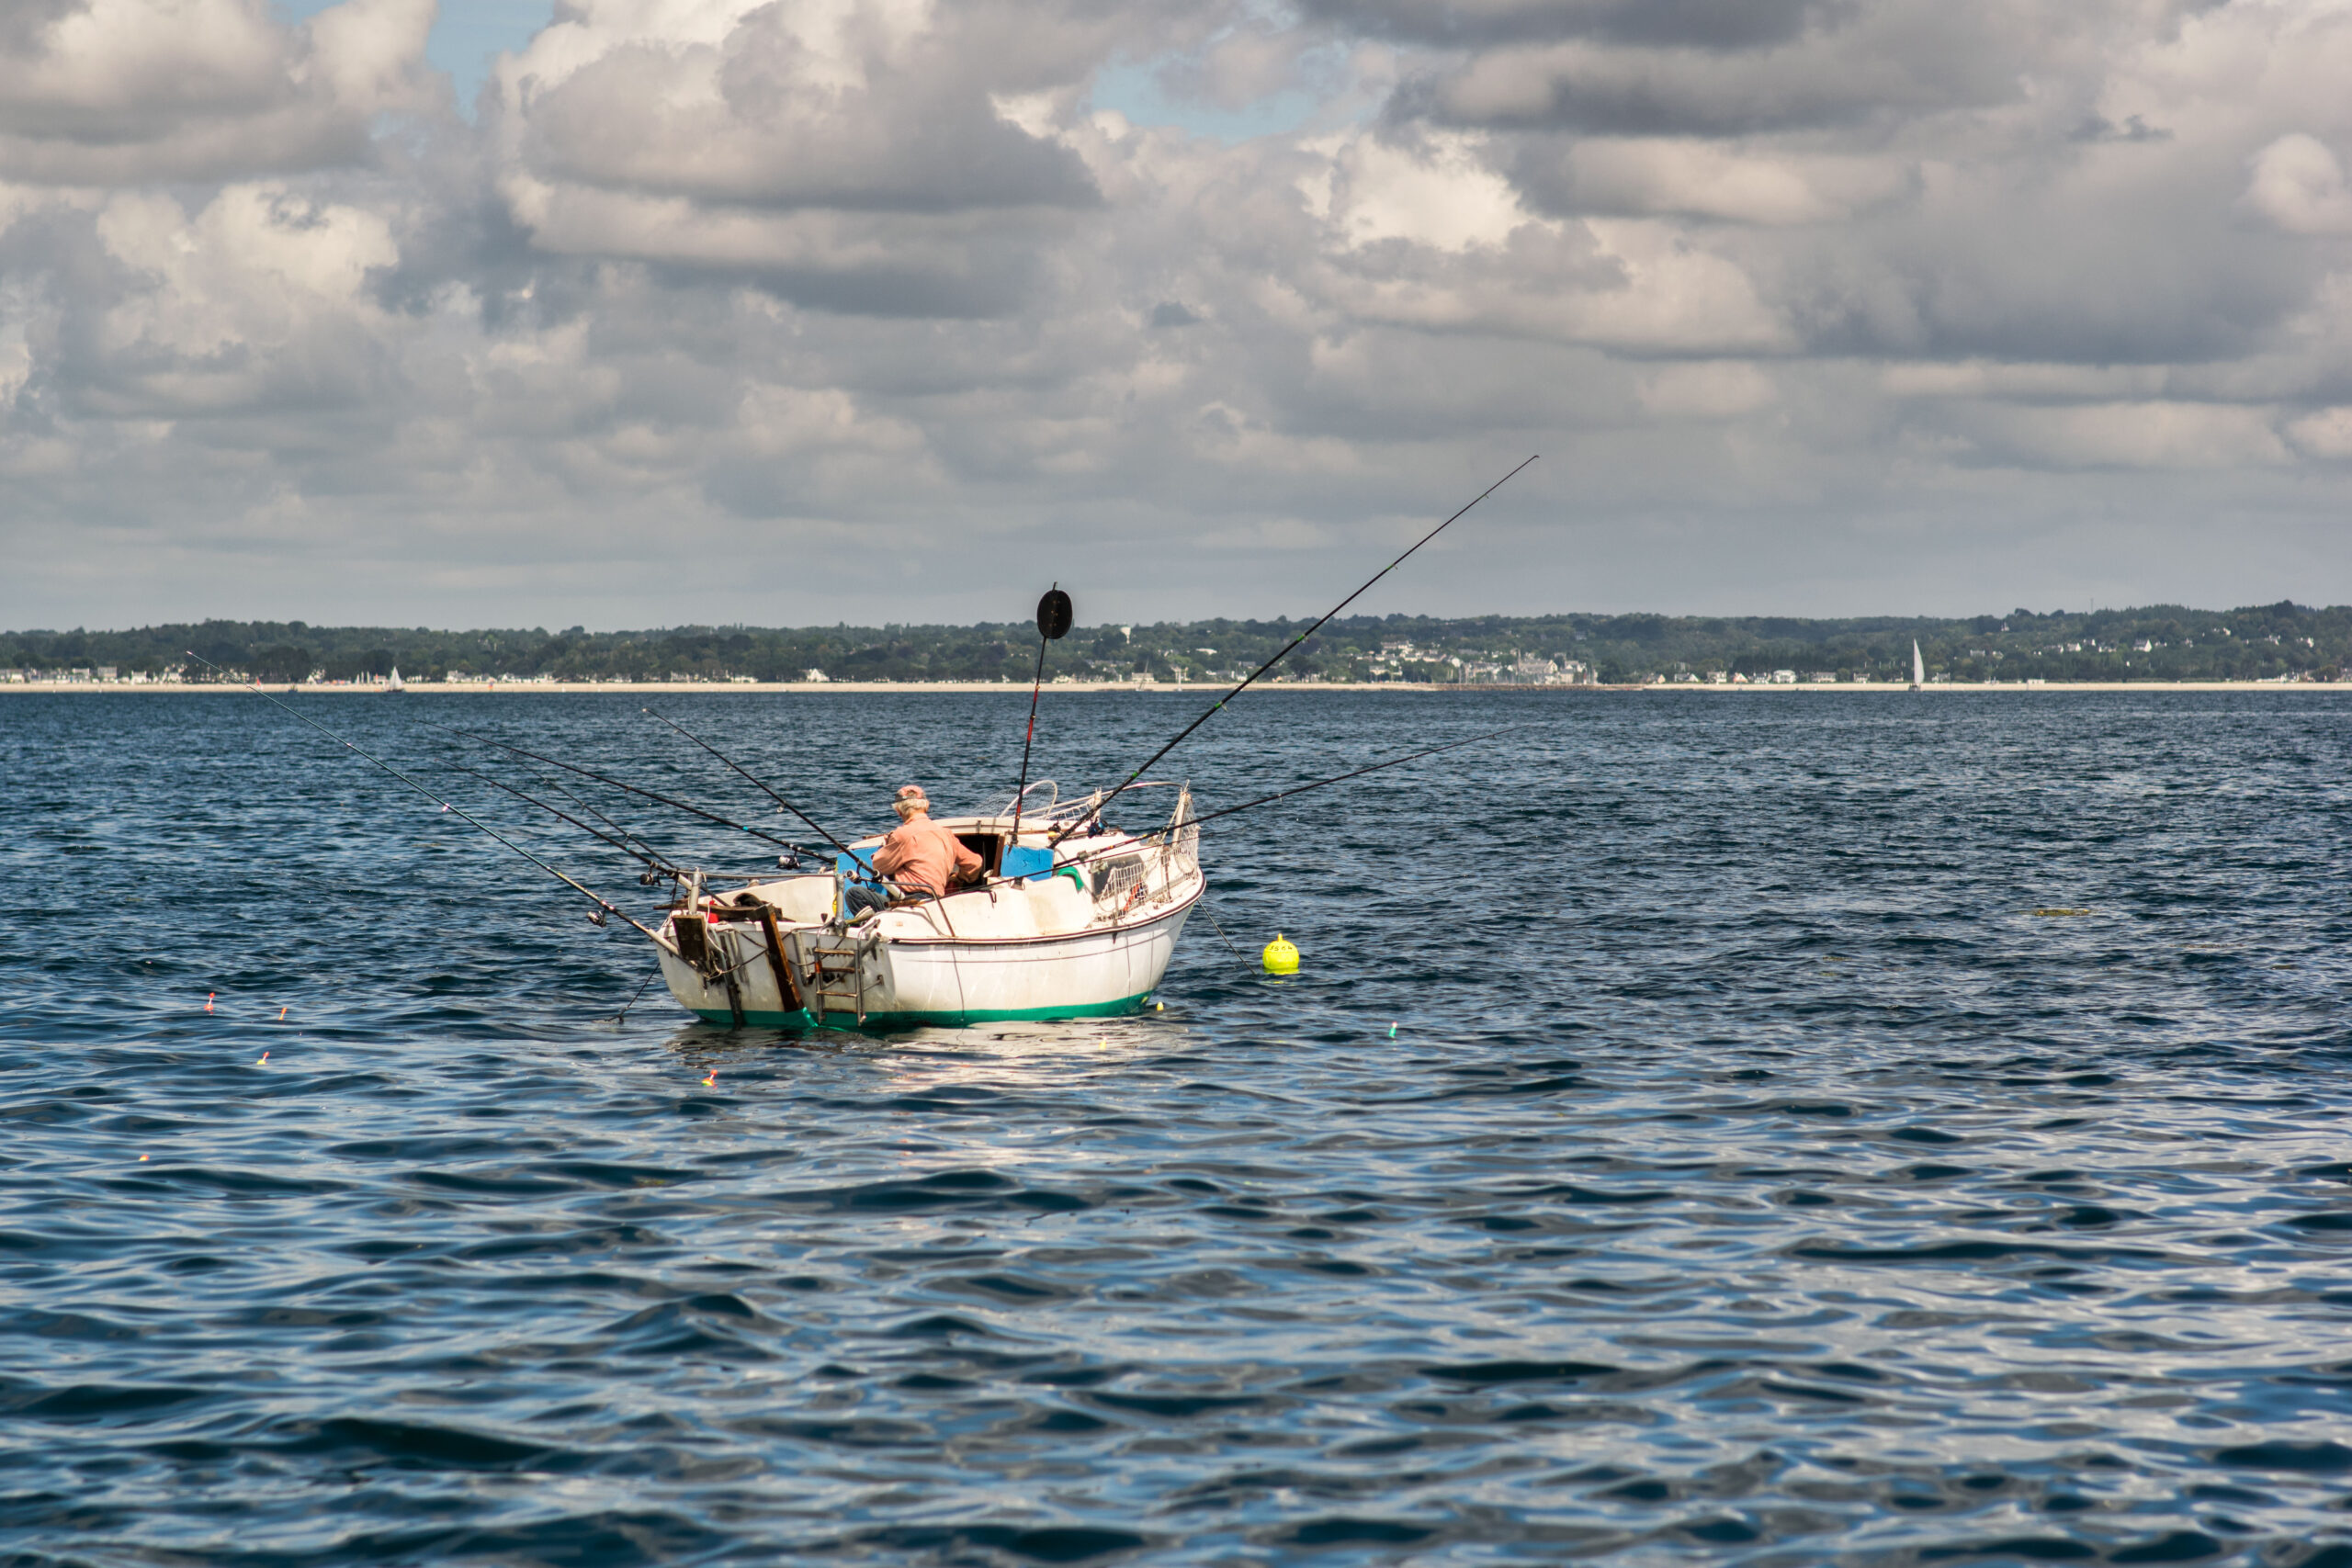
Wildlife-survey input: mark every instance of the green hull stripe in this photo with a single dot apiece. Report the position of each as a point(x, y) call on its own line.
point(894, 1021)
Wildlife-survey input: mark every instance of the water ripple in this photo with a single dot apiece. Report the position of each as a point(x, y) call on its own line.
point(1690, 1139)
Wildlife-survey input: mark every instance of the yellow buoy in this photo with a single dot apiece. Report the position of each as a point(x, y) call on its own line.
point(1281, 958)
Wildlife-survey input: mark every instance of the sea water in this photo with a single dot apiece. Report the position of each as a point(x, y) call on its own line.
point(1705, 1127)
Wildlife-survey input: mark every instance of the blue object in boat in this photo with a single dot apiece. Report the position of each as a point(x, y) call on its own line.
point(1024, 860)
point(857, 865)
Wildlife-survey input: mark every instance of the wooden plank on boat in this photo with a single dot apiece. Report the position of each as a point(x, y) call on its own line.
point(692, 939)
point(787, 992)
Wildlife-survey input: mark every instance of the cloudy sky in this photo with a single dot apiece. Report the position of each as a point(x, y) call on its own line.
point(627, 313)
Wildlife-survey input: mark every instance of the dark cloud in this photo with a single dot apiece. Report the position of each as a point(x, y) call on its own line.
point(1687, 24)
point(1855, 77)
point(2073, 276)
point(2134, 129)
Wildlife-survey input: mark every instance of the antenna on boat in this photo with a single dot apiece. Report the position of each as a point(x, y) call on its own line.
point(604, 906)
point(1287, 647)
point(770, 793)
point(1053, 624)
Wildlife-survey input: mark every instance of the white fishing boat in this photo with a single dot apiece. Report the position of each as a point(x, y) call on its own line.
point(1075, 926)
point(1071, 918)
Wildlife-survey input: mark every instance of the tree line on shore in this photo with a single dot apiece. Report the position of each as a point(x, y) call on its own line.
point(2162, 642)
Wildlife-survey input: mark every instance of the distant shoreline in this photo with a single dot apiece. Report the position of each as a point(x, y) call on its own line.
point(1164, 688)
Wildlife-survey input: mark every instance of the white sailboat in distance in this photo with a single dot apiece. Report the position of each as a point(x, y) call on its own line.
point(395, 684)
point(1919, 667)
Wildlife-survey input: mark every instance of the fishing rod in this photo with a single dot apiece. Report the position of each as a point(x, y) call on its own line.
point(649, 795)
point(653, 863)
point(1338, 778)
point(1053, 622)
point(590, 806)
point(603, 905)
point(770, 793)
point(1286, 793)
point(647, 848)
point(1286, 649)
point(1195, 822)
point(651, 852)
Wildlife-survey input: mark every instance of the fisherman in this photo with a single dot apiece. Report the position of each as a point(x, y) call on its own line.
point(923, 858)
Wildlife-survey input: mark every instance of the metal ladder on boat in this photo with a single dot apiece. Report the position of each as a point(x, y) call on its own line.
point(836, 980)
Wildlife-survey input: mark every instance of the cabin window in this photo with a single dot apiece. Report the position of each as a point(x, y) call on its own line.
point(989, 847)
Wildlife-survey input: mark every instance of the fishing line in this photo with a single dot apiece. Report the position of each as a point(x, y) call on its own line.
point(600, 903)
point(588, 805)
point(651, 862)
point(649, 795)
point(632, 789)
point(759, 956)
point(1285, 794)
point(1338, 778)
point(1291, 1001)
point(1287, 647)
point(770, 793)
point(1227, 941)
point(622, 1017)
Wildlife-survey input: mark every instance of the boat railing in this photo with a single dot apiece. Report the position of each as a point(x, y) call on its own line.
point(1060, 811)
point(1172, 857)
point(1019, 797)
point(1182, 834)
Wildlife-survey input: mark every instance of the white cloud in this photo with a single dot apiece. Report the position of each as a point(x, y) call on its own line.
point(2024, 381)
point(114, 91)
point(258, 298)
point(889, 156)
point(1439, 193)
point(2326, 433)
point(1702, 179)
point(2299, 184)
point(2129, 436)
point(1722, 389)
point(871, 279)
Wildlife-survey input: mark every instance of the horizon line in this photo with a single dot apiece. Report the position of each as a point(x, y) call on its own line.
point(292, 625)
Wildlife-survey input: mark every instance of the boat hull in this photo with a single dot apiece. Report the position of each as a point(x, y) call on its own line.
point(935, 982)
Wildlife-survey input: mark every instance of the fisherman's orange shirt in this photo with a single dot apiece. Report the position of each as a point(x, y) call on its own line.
point(921, 856)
